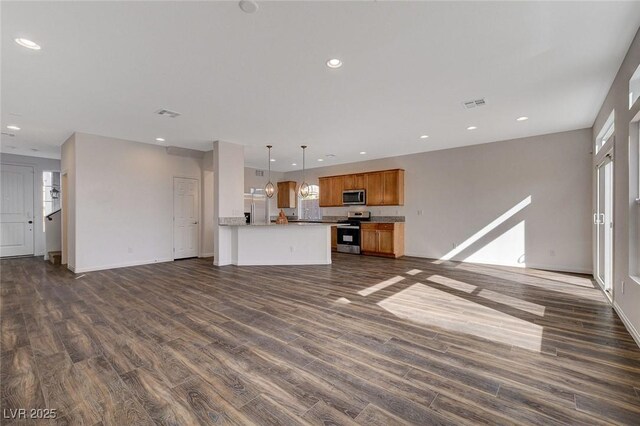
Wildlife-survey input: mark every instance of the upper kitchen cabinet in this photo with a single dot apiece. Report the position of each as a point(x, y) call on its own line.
point(385, 188)
point(287, 196)
point(354, 182)
point(331, 191)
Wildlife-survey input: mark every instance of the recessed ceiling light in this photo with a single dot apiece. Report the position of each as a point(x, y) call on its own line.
point(293, 164)
point(334, 63)
point(273, 160)
point(471, 128)
point(28, 43)
point(363, 152)
point(320, 159)
point(13, 127)
point(424, 136)
point(160, 139)
point(523, 118)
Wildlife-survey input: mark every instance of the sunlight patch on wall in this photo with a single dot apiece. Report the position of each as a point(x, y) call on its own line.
point(383, 284)
point(431, 307)
point(488, 228)
point(508, 249)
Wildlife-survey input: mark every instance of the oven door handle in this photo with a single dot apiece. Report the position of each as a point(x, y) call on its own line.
point(348, 227)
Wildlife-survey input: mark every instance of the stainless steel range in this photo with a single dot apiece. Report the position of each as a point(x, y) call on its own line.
point(349, 232)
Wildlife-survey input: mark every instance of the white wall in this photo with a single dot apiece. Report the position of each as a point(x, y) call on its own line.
point(124, 201)
point(461, 191)
point(39, 165)
point(625, 210)
point(207, 234)
point(228, 166)
point(68, 180)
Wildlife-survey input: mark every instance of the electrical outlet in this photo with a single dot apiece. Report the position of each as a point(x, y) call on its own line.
point(291, 248)
point(454, 245)
point(419, 212)
point(552, 253)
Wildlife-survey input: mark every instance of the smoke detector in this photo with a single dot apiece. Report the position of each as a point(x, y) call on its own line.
point(168, 113)
point(474, 103)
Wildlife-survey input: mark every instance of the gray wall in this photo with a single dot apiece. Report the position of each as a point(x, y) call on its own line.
point(458, 196)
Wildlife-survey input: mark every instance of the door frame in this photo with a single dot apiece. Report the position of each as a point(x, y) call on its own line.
point(33, 200)
point(604, 157)
point(173, 218)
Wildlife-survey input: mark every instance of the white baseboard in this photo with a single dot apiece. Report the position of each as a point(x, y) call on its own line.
point(206, 254)
point(555, 268)
point(630, 328)
point(120, 265)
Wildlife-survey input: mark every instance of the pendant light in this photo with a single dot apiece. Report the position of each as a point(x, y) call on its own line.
point(304, 186)
point(269, 189)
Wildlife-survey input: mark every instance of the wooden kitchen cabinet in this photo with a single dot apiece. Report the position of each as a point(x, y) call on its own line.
point(383, 188)
point(334, 238)
point(287, 195)
point(382, 239)
point(331, 191)
point(354, 181)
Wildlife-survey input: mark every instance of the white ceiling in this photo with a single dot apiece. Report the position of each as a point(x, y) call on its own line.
point(260, 79)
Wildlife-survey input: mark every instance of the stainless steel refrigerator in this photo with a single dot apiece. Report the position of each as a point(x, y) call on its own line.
point(257, 205)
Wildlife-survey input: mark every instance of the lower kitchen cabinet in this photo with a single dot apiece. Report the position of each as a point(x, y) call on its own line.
point(334, 238)
point(382, 239)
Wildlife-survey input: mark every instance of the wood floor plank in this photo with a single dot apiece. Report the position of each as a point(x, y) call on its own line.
point(364, 340)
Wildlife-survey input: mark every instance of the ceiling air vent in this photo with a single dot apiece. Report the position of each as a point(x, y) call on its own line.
point(168, 113)
point(474, 103)
point(8, 134)
point(260, 173)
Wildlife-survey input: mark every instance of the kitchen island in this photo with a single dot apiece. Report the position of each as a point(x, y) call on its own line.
point(291, 244)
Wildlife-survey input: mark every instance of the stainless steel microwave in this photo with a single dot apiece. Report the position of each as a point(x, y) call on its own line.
point(354, 197)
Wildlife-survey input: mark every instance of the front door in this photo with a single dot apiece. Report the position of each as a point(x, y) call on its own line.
point(16, 219)
point(186, 208)
point(603, 220)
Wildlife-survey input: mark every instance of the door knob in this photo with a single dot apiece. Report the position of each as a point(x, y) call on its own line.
point(195, 223)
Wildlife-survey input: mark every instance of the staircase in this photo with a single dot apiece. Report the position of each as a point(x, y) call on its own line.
point(55, 257)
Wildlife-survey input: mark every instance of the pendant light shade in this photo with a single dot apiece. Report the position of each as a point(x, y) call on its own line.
point(269, 189)
point(304, 186)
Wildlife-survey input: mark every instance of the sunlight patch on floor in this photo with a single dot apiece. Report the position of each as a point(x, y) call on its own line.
point(523, 305)
point(451, 283)
point(383, 284)
point(432, 307)
point(343, 301)
point(413, 272)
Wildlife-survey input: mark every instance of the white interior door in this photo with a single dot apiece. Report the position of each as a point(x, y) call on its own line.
point(603, 220)
point(186, 208)
point(16, 222)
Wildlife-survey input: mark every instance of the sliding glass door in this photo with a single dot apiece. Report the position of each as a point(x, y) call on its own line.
point(603, 221)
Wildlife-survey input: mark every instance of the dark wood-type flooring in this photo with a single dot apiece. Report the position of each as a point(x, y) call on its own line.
point(366, 341)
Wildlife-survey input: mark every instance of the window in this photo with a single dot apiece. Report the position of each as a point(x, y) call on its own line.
point(309, 206)
point(607, 131)
point(634, 194)
point(634, 87)
point(50, 194)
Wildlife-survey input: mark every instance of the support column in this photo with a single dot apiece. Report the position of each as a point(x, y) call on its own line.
point(228, 167)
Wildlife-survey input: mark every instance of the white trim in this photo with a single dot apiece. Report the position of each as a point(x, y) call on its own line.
point(120, 265)
point(206, 254)
point(555, 268)
point(630, 328)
